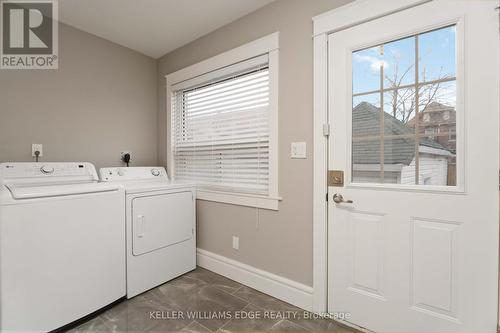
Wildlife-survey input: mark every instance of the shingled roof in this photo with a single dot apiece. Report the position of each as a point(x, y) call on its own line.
point(366, 122)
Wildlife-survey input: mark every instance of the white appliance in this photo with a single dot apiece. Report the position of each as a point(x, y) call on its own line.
point(161, 223)
point(62, 242)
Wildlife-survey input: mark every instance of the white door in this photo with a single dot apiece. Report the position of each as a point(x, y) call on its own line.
point(413, 105)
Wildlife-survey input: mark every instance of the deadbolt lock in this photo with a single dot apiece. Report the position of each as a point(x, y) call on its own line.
point(336, 178)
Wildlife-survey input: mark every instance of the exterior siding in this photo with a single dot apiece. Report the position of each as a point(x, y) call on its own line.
point(433, 170)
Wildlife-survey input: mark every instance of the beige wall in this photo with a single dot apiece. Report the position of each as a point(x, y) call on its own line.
point(279, 242)
point(105, 98)
point(102, 99)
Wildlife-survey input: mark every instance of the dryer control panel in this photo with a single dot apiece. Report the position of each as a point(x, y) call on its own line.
point(133, 173)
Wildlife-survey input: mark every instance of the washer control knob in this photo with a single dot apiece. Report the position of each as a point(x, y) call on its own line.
point(155, 172)
point(121, 172)
point(47, 169)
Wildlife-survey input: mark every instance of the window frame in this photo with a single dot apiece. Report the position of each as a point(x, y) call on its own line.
point(266, 45)
point(461, 113)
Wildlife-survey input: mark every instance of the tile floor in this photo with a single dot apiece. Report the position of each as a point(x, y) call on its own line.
point(215, 300)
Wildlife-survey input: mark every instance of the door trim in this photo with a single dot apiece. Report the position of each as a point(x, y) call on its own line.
point(358, 12)
point(320, 188)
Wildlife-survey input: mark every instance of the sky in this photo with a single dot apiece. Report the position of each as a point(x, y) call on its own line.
point(437, 59)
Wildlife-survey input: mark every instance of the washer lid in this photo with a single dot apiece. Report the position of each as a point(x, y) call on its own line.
point(33, 191)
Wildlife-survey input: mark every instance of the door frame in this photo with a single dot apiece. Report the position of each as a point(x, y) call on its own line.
point(357, 12)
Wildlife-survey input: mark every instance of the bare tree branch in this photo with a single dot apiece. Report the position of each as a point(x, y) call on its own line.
point(402, 101)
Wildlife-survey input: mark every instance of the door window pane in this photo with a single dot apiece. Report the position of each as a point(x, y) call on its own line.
point(399, 61)
point(436, 162)
point(404, 124)
point(366, 116)
point(390, 163)
point(437, 54)
point(366, 70)
point(400, 109)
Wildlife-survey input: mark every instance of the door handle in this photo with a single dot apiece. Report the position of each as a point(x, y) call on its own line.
point(338, 198)
point(140, 226)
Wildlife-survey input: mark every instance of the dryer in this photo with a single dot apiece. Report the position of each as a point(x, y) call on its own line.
point(161, 226)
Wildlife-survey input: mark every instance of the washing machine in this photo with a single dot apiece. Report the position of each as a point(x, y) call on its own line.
point(62, 239)
point(161, 225)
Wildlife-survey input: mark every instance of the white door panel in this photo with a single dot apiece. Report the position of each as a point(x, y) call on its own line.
point(413, 107)
point(161, 220)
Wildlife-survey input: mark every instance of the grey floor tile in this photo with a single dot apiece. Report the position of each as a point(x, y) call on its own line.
point(191, 296)
point(135, 315)
point(198, 295)
point(170, 325)
point(195, 327)
point(202, 298)
point(264, 301)
point(187, 282)
point(95, 325)
point(339, 328)
point(210, 300)
point(215, 280)
point(172, 295)
point(287, 326)
point(255, 324)
point(319, 325)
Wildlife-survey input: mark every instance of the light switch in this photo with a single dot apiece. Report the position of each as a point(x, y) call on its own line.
point(299, 150)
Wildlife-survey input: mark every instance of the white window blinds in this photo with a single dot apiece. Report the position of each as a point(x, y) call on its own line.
point(220, 124)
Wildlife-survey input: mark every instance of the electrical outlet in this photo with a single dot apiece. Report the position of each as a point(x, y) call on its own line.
point(36, 147)
point(236, 243)
point(123, 154)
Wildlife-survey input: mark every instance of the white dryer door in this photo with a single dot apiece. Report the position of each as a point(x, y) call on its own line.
point(161, 220)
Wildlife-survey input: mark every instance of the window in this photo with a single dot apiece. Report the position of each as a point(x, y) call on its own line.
point(223, 131)
point(403, 91)
point(430, 131)
point(452, 134)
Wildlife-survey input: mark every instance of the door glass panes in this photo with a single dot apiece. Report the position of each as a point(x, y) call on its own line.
point(437, 54)
point(399, 109)
point(399, 163)
point(365, 70)
point(365, 116)
point(399, 57)
point(404, 111)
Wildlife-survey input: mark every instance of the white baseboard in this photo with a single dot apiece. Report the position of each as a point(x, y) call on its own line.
point(279, 287)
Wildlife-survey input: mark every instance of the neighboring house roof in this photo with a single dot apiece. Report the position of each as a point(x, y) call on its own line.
point(366, 122)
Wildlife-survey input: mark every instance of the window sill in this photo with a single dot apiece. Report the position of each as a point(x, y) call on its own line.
point(239, 199)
